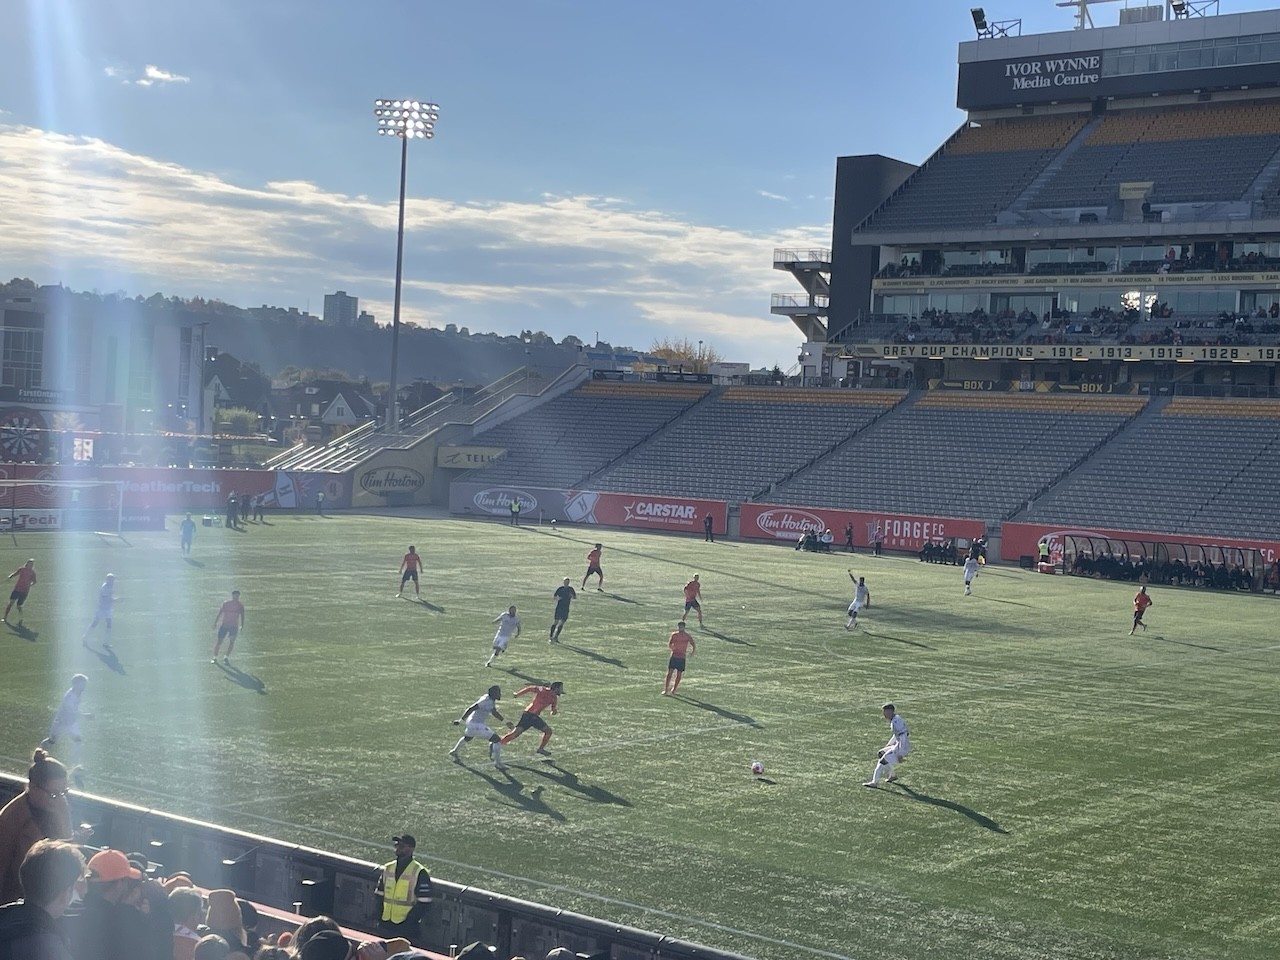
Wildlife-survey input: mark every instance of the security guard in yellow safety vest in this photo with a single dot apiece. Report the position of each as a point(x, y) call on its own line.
point(403, 892)
point(1043, 550)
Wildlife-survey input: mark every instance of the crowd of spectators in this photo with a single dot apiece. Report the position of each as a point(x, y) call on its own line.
point(940, 551)
point(1176, 572)
point(58, 905)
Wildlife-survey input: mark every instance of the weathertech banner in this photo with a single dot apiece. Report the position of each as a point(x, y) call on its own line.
point(1022, 539)
point(765, 521)
point(604, 508)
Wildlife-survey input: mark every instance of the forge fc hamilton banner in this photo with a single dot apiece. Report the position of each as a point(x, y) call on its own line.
point(605, 508)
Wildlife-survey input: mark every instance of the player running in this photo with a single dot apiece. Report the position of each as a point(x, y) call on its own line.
point(102, 614)
point(25, 579)
point(564, 595)
point(861, 598)
point(508, 629)
point(186, 534)
point(67, 719)
point(543, 697)
point(476, 724)
point(409, 568)
point(231, 616)
point(593, 566)
point(1141, 600)
point(971, 566)
point(893, 752)
point(693, 598)
point(682, 647)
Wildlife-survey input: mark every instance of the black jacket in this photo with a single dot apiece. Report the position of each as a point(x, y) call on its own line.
point(27, 932)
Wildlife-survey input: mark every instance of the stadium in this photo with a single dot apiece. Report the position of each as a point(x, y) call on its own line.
point(1052, 347)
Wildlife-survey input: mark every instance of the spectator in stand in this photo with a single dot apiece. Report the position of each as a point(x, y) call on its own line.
point(50, 873)
point(223, 918)
point(186, 908)
point(111, 927)
point(40, 812)
point(153, 903)
point(212, 947)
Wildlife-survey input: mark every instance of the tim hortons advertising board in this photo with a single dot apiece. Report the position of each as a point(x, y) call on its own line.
point(1022, 539)
point(594, 507)
point(764, 521)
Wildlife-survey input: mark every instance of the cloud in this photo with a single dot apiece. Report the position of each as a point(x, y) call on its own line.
point(150, 76)
point(771, 196)
point(92, 215)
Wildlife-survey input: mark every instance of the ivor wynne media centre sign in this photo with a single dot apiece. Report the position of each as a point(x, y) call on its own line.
point(991, 83)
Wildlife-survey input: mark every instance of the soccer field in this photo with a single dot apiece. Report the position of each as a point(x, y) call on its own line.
point(1072, 791)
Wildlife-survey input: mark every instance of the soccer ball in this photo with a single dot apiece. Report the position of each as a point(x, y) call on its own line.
point(757, 768)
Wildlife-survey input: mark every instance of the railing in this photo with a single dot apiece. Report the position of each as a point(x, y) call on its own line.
point(790, 301)
point(781, 255)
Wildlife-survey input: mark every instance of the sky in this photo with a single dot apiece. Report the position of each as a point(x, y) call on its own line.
point(609, 169)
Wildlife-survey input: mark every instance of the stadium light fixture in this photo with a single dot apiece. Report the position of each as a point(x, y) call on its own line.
point(979, 20)
point(1179, 7)
point(407, 120)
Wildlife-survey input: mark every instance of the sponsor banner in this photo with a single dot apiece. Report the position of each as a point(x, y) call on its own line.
point(1022, 539)
point(1064, 351)
point(177, 489)
point(467, 458)
point(387, 480)
point(763, 521)
point(603, 508)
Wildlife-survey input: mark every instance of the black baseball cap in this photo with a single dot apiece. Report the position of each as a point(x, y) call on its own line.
point(408, 839)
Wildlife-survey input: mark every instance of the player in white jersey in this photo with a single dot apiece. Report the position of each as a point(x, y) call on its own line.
point(476, 724)
point(67, 719)
point(102, 614)
point(971, 567)
point(861, 598)
point(893, 752)
point(508, 629)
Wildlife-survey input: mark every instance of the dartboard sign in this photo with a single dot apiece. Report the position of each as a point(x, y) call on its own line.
point(22, 434)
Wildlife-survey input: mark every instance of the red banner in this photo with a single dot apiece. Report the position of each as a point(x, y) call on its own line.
point(637, 511)
point(898, 531)
point(1022, 539)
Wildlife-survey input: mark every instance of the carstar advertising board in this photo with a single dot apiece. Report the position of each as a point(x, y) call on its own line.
point(637, 511)
point(766, 521)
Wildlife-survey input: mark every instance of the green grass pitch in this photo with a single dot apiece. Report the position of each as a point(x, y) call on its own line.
point(1073, 791)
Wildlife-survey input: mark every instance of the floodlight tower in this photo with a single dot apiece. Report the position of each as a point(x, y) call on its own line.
point(408, 120)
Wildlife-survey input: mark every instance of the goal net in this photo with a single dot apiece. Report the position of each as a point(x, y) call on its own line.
point(34, 505)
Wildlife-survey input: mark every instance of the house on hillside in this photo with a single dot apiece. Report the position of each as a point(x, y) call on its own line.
point(320, 410)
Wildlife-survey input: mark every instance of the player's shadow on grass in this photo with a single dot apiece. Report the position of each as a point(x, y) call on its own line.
point(621, 599)
point(194, 563)
point(570, 781)
point(513, 791)
point(429, 605)
point(890, 636)
point(726, 637)
point(246, 680)
point(718, 711)
point(1188, 643)
point(109, 660)
point(23, 632)
point(523, 676)
point(980, 819)
point(598, 657)
point(1016, 603)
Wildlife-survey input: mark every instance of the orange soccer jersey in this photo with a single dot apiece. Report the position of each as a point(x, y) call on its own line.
point(411, 561)
point(593, 558)
point(680, 642)
point(692, 590)
point(25, 579)
point(1140, 602)
point(542, 698)
point(231, 613)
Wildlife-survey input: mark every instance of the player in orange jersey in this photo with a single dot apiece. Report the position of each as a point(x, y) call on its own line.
point(693, 598)
point(25, 579)
point(682, 647)
point(543, 697)
point(593, 566)
point(409, 568)
point(1140, 603)
point(231, 617)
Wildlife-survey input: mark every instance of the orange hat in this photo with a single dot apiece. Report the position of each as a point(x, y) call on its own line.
point(108, 865)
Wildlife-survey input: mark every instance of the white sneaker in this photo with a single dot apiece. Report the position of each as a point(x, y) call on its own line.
point(499, 766)
point(871, 783)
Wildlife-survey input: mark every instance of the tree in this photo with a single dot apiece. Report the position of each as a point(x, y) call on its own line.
point(240, 421)
point(697, 355)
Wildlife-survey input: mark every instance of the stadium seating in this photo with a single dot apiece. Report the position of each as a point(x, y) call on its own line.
point(565, 440)
point(1222, 457)
point(961, 454)
point(1188, 153)
point(978, 173)
point(740, 442)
